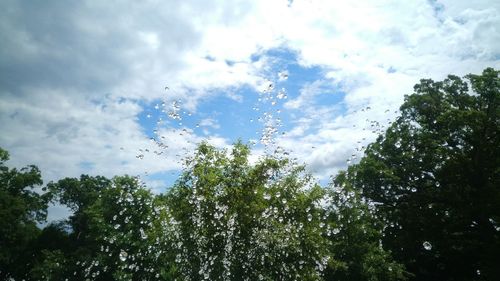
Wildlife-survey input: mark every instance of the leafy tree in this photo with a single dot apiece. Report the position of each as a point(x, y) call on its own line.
point(51, 251)
point(224, 219)
point(78, 195)
point(236, 221)
point(63, 246)
point(356, 235)
point(435, 178)
point(109, 236)
point(22, 206)
point(232, 220)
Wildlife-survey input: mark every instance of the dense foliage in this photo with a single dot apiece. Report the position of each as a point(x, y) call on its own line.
point(422, 204)
point(435, 176)
point(224, 219)
point(21, 208)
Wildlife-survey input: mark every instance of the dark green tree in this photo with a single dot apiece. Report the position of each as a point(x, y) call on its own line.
point(65, 245)
point(356, 237)
point(109, 235)
point(78, 194)
point(22, 206)
point(435, 176)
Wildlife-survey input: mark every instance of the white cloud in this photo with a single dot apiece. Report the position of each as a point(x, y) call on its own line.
point(209, 122)
point(376, 52)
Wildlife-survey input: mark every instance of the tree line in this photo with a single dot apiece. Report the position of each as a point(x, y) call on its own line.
point(422, 204)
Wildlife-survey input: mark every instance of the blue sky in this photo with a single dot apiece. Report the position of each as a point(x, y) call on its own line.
point(79, 80)
point(234, 113)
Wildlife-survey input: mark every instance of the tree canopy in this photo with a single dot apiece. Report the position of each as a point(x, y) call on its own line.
point(435, 178)
point(21, 208)
point(224, 219)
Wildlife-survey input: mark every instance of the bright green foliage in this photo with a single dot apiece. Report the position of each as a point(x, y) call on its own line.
point(236, 221)
point(435, 175)
point(232, 220)
point(122, 223)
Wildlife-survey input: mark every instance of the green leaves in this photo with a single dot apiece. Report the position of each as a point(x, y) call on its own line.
point(435, 178)
point(237, 221)
point(21, 208)
point(224, 219)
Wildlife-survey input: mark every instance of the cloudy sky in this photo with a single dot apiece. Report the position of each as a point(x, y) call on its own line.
point(115, 87)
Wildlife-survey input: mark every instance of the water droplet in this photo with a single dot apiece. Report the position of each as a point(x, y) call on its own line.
point(281, 94)
point(397, 144)
point(123, 255)
point(283, 75)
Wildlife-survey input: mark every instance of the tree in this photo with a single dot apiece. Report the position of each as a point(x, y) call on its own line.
point(223, 219)
point(435, 176)
point(78, 195)
point(22, 206)
point(110, 235)
point(234, 221)
point(356, 237)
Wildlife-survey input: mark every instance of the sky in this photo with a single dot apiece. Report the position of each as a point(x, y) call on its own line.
point(130, 87)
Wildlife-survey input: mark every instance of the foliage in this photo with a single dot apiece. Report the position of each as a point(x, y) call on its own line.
point(22, 206)
point(357, 237)
point(235, 221)
point(224, 219)
point(435, 176)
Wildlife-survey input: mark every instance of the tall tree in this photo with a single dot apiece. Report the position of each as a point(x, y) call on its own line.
point(22, 206)
point(435, 175)
point(235, 221)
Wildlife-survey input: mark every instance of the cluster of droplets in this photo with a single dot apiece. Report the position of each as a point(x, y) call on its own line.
point(369, 130)
point(169, 128)
point(269, 107)
point(170, 115)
